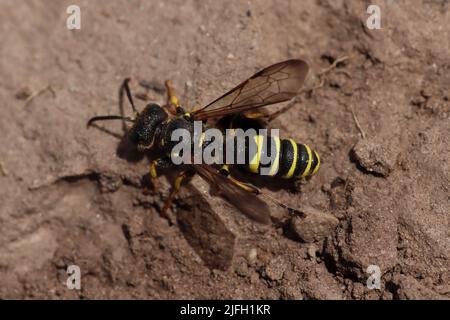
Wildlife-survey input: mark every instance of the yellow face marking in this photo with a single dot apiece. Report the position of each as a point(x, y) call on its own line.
point(318, 163)
point(276, 163)
point(308, 166)
point(294, 163)
point(254, 163)
point(153, 173)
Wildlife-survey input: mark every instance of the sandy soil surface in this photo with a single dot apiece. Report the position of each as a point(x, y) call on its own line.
point(71, 196)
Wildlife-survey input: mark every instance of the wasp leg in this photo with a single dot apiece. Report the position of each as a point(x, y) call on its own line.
point(172, 103)
point(176, 187)
point(255, 190)
point(155, 166)
point(224, 170)
point(154, 175)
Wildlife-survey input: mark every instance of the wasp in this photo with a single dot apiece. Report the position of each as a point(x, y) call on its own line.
point(152, 128)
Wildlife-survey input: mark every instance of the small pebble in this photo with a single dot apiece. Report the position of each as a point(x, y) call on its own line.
point(314, 226)
point(275, 269)
point(24, 93)
point(374, 157)
point(312, 252)
point(252, 255)
point(242, 268)
point(291, 293)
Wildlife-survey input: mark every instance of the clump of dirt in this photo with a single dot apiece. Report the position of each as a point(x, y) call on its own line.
point(373, 157)
point(379, 119)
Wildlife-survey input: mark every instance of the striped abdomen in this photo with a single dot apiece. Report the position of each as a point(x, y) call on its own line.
point(291, 159)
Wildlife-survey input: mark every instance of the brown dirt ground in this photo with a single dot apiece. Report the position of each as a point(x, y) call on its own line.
point(68, 198)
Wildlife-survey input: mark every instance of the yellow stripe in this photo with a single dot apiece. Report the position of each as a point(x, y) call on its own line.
point(294, 162)
point(275, 165)
point(318, 163)
point(308, 166)
point(254, 163)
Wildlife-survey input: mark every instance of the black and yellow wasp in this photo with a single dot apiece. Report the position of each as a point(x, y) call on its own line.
point(152, 129)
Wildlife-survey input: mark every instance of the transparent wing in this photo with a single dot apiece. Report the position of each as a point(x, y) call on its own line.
point(247, 202)
point(276, 83)
point(204, 230)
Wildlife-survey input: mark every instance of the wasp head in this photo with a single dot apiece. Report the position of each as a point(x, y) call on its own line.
point(142, 133)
